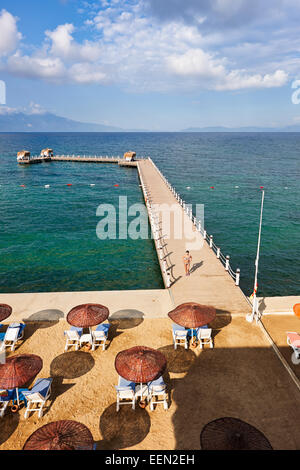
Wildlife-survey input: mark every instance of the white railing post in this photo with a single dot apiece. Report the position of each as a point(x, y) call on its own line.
point(227, 262)
point(238, 275)
point(168, 280)
point(218, 252)
point(211, 241)
point(199, 225)
point(204, 234)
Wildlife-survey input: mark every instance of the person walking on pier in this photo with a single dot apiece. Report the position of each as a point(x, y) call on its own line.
point(187, 258)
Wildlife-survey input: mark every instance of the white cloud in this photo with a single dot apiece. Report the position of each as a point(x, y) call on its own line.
point(198, 64)
point(7, 110)
point(36, 66)
point(64, 46)
point(35, 108)
point(86, 73)
point(9, 35)
point(32, 108)
point(129, 48)
point(195, 62)
point(238, 80)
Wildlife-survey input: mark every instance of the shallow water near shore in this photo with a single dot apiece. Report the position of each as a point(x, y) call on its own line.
point(48, 238)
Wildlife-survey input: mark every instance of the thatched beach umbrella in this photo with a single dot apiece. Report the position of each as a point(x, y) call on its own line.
point(61, 435)
point(5, 311)
point(18, 370)
point(140, 364)
point(232, 434)
point(192, 315)
point(87, 315)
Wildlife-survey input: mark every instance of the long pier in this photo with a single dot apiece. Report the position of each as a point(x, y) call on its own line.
point(212, 280)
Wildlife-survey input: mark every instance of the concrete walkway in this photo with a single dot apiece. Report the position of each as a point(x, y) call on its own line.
point(208, 283)
point(278, 305)
point(54, 306)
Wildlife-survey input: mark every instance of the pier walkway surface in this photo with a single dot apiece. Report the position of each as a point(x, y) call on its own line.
point(209, 283)
point(93, 159)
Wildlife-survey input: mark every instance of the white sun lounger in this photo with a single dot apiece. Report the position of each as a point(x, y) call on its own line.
point(37, 396)
point(14, 333)
point(157, 393)
point(179, 335)
point(73, 337)
point(204, 337)
point(100, 335)
point(125, 393)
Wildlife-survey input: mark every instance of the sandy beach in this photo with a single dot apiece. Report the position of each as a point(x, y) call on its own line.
point(241, 377)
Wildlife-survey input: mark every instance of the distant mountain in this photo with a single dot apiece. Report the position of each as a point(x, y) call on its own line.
point(293, 128)
point(47, 122)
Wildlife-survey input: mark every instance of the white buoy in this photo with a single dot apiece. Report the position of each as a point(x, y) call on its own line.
point(236, 186)
point(47, 185)
point(188, 187)
point(92, 184)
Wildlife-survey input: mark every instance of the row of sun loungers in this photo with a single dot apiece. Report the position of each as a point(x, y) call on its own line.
point(181, 336)
point(128, 392)
point(76, 338)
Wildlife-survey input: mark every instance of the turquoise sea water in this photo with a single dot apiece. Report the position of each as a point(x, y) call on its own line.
point(48, 238)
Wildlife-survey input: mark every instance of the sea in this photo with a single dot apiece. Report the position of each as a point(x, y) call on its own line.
point(48, 237)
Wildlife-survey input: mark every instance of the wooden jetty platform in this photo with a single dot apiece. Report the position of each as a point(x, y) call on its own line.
point(83, 159)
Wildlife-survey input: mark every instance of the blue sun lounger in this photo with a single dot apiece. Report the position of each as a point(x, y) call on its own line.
point(156, 389)
point(100, 335)
point(37, 396)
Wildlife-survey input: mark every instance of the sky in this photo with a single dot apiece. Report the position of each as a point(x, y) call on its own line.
point(161, 65)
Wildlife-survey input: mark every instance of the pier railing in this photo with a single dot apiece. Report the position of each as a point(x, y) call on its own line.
point(87, 157)
point(225, 260)
point(157, 235)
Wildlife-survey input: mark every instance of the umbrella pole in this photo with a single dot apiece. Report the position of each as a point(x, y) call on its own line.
point(90, 330)
point(142, 403)
point(18, 401)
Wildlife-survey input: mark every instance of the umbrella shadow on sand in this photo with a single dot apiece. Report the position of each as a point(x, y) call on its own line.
point(58, 388)
point(9, 424)
point(124, 428)
point(222, 320)
point(42, 319)
point(123, 320)
point(178, 361)
point(71, 365)
point(126, 319)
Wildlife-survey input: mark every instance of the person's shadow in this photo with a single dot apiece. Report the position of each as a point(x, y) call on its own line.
point(195, 267)
point(262, 305)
